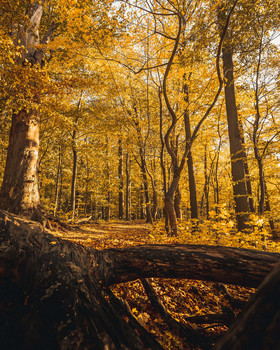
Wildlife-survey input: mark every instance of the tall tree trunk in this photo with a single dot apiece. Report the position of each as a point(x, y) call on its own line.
point(247, 172)
point(264, 197)
point(162, 163)
point(146, 187)
point(141, 202)
point(127, 189)
point(20, 192)
point(205, 193)
point(236, 149)
point(107, 209)
point(192, 184)
point(58, 176)
point(74, 169)
point(154, 208)
point(120, 176)
point(216, 178)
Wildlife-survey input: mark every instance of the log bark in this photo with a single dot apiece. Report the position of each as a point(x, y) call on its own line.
point(244, 267)
point(55, 294)
point(53, 297)
point(257, 327)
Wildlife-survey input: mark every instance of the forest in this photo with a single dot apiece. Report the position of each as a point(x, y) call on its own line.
point(139, 174)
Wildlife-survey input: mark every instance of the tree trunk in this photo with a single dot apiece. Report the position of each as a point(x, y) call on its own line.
point(55, 293)
point(192, 184)
point(162, 162)
point(247, 172)
point(257, 327)
point(20, 188)
point(127, 189)
point(20, 191)
point(141, 203)
point(206, 184)
point(120, 175)
point(171, 214)
point(58, 177)
point(177, 203)
point(236, 148)
point(146, 187)
point(74, 181)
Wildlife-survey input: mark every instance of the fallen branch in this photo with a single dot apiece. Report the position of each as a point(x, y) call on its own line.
point(193, 336)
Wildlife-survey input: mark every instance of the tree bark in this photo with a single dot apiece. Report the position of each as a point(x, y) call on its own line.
point(121, 184)
point(257, 327)
point(74, 178)
point(56, 292)
point(236, 148)
point(127, 188)
point(20, 190)
point(177, 203)
point(57, 182)
point(192, 184)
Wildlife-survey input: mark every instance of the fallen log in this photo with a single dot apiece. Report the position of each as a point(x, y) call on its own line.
point(258, 325)
point(55, 295)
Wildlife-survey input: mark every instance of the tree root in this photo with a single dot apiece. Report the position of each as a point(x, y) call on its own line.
point(193, 336)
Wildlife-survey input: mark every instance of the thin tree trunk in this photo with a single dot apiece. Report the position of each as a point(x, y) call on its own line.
point(143, 166)
point(154, 208)
point(87, 185)
point(192, 184)
point(206, 184)
point(216, 181)
point(127, 189)
point(121, 184)
point(141, 202)
point(58, 176)
point(75, 167)
point(107, 212)
point(264, 196)
point(247, 172)
point(162, 163)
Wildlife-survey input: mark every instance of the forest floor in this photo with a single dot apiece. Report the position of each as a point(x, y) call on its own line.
point(182, 298)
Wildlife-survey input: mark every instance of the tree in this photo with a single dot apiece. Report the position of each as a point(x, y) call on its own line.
point(235, 140)
point(20, 194)
point(31, 26)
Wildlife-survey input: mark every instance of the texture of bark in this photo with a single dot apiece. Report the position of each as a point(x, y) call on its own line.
point(258, 325)
point(121, 181)
point(53, 297)
point(236, 148)
point(20, 190)
point(192, 183)
point(55, 294)
point(245, 267)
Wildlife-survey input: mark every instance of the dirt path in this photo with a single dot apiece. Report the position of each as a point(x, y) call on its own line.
point(112, 234)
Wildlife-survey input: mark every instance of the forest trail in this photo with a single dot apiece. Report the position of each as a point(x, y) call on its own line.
point(111, 234)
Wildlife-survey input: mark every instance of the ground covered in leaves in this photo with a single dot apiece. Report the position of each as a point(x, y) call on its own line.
point(207, 307)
